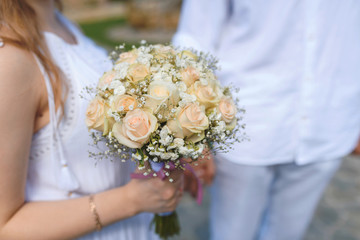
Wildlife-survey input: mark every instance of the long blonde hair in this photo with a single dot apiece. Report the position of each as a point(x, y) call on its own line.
point(22, 29)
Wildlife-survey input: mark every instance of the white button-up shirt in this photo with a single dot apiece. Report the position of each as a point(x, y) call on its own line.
point(297, 64)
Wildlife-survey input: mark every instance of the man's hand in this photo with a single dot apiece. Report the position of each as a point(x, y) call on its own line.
point(357, 149)
point(204, 169)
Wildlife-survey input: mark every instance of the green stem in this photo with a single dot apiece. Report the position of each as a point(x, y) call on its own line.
point(166, 226)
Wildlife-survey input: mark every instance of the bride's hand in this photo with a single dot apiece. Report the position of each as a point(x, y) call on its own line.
point(156, 195)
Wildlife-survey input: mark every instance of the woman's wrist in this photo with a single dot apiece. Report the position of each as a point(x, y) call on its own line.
point(132, 199)
point(115, 205)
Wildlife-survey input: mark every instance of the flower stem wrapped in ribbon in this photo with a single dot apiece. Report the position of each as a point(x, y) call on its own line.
point(167, 224)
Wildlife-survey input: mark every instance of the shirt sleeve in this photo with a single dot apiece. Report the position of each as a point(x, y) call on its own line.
point(201, 24)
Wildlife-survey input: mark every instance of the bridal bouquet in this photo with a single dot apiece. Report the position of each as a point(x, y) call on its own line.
point(158, 105)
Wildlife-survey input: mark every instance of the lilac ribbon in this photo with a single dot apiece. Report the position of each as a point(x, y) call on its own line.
point(160, 170)
point(199, 194)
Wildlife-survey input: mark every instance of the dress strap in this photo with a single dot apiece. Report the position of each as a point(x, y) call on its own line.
point(65, 177)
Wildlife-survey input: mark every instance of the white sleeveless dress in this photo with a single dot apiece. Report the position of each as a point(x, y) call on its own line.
point(59, 165)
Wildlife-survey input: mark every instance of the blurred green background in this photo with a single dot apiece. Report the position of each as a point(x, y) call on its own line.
point(98, 30)
point(113, 22)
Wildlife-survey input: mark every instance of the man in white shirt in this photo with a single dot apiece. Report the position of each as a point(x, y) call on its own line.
point(297, 64)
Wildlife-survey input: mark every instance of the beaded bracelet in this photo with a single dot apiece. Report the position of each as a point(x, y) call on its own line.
point(95, 213)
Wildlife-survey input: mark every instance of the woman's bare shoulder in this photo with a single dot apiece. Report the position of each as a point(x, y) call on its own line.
point(18, 70)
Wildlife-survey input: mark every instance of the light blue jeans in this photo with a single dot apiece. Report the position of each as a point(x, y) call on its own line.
point(266, 202)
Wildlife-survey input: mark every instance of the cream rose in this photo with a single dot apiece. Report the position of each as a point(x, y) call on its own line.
point(106, 80)
point(160, 92)
point(189, 75)
point(96, 114)
point(135, 129)
point(190, 123)
point(162, 51)
point(123, 103)
point(137, 72)
point(227, 109)
point(129, 57)
point(208, 95)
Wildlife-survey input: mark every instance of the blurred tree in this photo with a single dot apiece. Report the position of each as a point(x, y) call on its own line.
point(150, 14)
point(82, 3)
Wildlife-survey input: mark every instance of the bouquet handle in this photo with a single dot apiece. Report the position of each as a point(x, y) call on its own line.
point(167, 224)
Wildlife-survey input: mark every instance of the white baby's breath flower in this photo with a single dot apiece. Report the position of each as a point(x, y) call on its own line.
point(121, 70)
point(118, 87)
point(174, 156)
point(222, 136)
point(181, 86)
point(204, 81)
point(119, 90)
point(117, 118)
point(166, 67)
point(222, 126)
point(187, 98)
point(155, 68)
point(144, 58)
point(201, 148)
point(114, 84)
point(173, 72)
point(181, 104)
point(136, 156)
point(185, 151)
point(162, 76)
point(181, 63)
point(165, 156)
point(157, 76)
point(166, 140)
point(179, 142)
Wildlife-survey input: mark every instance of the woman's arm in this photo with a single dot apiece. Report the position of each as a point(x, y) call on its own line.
point(65, 219)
